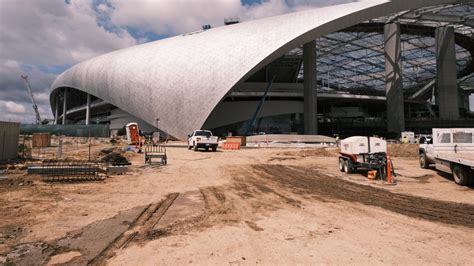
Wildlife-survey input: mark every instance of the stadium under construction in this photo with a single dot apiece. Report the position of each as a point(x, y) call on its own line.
point(371, 67)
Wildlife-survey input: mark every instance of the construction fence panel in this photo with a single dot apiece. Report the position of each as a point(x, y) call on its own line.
point(9, 134)
point(67, 130)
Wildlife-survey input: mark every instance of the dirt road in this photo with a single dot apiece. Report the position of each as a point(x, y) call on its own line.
point(248, 206)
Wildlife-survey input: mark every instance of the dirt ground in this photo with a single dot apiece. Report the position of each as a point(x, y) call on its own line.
point(237, 207)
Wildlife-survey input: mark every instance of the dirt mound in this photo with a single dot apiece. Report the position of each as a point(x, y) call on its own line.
point(323, 187)
point(403, 150)
point(316, 152)
point(394, 150)
point(320, 152)
point(114, 158)
point(106, 151)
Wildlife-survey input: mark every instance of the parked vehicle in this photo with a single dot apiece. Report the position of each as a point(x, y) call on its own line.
point(451, 150)
point(202, 139)
point(422, 138)
point(368, 153)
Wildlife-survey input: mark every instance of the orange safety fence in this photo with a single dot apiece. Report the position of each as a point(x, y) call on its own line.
point(231, 146)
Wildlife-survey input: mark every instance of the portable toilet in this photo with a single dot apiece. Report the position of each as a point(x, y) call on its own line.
point(133, 136)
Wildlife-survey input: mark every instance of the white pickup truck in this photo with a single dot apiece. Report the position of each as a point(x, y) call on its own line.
point(452, 152)
point(202, 139)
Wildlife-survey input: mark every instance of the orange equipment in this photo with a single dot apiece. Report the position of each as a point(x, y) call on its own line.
point(231, 146)
point(372, 174)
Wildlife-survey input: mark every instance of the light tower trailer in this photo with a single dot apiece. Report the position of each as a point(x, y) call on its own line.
point(451, 150)
point(367, 153)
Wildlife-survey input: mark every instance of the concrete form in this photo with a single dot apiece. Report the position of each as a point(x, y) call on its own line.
point(448, 93)
point(310, 100)
point(394, 78)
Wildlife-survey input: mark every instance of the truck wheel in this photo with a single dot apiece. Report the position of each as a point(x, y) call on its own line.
point(214, 149)
point(347, 167)
point(471, 178)
point(189, 146)
point(341, 164)
point(460, 175)
point(423, 162)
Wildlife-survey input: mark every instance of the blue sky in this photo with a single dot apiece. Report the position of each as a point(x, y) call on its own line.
point(42, 38)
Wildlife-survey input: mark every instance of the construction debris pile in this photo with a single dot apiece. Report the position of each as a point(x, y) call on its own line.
point(113, 156)
point(403, 150)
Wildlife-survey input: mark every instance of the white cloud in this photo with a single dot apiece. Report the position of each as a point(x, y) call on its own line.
point(12, 107)
point(264, 9)
point(13, 89)
point(42, 97)
point(54, 33)
point(11, 64)
point(103, 8)
point(14, 112)
point(172, 17)
point(47, 34)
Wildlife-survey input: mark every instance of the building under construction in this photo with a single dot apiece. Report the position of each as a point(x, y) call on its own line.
point(371, 67)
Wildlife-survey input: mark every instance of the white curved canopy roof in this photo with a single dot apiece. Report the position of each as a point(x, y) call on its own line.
point(180, 80)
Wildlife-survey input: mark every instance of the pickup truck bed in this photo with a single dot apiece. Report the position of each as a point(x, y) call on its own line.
point(451, 151)
point(465, 159)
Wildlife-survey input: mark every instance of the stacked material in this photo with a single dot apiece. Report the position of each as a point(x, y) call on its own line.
point(290, 138)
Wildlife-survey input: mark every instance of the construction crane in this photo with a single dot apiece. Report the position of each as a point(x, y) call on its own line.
point(35, 107)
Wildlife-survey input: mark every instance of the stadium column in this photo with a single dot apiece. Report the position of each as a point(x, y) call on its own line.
point(64, 105)
point(394, 78)
point(446, 77)
point(56, 111)
point(310, 97)
point(88, 109)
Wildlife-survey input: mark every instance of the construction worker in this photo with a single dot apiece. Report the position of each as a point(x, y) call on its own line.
point(405, 140)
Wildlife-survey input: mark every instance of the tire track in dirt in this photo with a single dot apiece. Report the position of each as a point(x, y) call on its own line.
point(220, 209)
point(140, 228)
point(311, 181)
